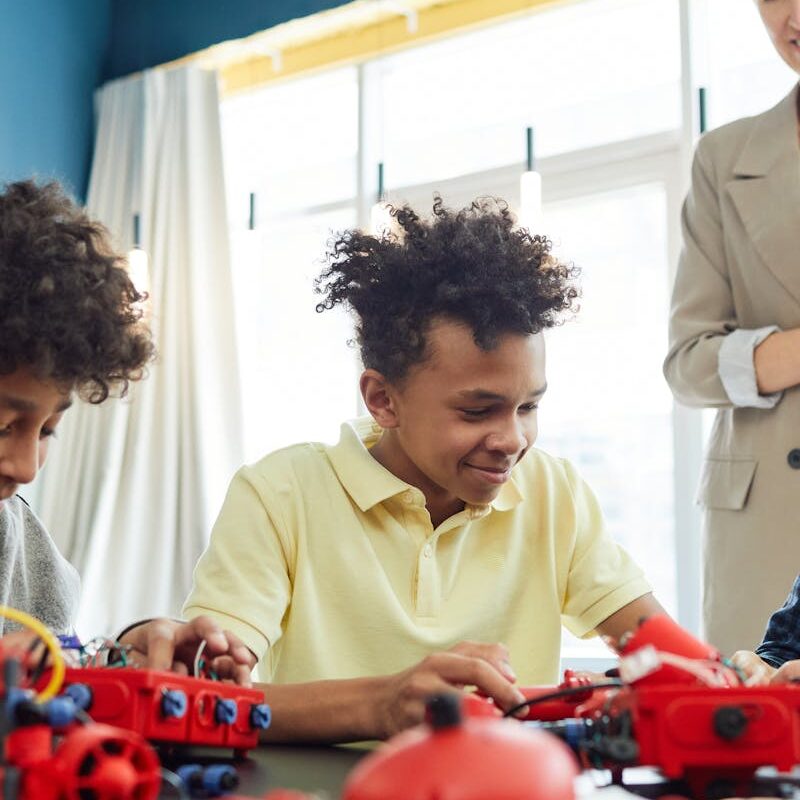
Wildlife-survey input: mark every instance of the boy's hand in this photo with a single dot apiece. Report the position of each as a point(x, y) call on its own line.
point(485, 666)
point(757, 672)
point(169, 645)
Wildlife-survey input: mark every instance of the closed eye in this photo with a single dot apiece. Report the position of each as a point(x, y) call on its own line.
point(475, 412)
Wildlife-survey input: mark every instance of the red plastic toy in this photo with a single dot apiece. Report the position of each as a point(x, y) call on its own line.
point(682, 711)
point(465, 758)
point(95, 761)
point(167, 708)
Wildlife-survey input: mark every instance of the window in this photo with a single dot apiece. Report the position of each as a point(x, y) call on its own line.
point(744, 74)
point(299, 377)
point(294, 147)
point(462, 105)
point(608, 409)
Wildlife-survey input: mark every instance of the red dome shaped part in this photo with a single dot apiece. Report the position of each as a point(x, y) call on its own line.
point(474, 759)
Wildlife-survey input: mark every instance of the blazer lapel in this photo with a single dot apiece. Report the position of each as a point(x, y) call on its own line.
point(766, 191)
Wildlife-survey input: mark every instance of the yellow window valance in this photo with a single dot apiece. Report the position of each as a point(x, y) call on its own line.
point(354, 32)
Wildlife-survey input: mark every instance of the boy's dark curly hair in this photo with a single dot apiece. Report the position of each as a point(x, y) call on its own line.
point(473, 266)
point(68, 310)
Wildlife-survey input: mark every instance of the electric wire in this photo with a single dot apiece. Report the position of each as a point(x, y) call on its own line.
point(562, 693)
point(50, 642)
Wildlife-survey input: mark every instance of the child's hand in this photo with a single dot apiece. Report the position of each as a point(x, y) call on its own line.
point(757, 672)
point(787, 673)
point(169, 645)
point(25, 646)
point(402, 699)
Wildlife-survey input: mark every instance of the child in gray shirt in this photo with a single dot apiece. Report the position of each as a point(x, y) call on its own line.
point(70, 326)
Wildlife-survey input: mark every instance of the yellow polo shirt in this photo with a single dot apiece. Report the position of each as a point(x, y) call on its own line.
point(327, 566)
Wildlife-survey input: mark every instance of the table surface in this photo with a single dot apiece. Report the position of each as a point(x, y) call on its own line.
point(323, 770)
point(310, 769)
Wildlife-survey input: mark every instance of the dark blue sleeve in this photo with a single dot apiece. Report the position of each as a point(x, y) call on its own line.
point(781, 641)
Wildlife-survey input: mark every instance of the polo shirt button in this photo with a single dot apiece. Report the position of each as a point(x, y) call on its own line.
point(794, 458)
point(408, 497)
point(427, 551)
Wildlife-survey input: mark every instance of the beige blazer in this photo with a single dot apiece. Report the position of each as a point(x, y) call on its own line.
point(740, 269)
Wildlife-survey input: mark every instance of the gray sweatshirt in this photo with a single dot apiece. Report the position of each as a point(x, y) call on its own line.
point(34, 576)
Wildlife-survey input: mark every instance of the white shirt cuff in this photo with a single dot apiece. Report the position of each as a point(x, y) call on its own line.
point(737, 371)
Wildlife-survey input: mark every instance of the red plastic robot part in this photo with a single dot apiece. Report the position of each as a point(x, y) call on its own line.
point(95, 761)
point(465, 759)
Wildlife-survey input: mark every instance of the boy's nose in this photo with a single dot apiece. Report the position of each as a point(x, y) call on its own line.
point(509, 440)
point(19, 462)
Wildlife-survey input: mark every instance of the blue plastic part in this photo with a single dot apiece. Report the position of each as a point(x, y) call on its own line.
point(574, 731)
point(220, 779)
point(260, 716)
point(191, 776)
point(211, 781)
point(69, 642)
point(14, 696)
point(174, 703)
point(81, 695)
point(225, 711)
point(61, 711)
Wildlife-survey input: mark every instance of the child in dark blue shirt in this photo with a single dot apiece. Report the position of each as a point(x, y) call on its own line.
point(777, 658)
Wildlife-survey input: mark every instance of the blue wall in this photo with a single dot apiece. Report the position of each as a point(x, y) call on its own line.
point(53, 54)
point(150, 32)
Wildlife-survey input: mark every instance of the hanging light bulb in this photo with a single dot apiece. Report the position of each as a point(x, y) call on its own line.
point(380, 217)
point(530, 192)
point(138, 263)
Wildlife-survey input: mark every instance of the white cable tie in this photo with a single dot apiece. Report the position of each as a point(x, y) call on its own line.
point(641, 662)
point(197, 658)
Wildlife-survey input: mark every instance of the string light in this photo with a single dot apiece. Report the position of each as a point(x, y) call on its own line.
point(380, 218)
point(138, 262)
point(530, 191)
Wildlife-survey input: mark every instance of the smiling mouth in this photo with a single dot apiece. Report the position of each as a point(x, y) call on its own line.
point(494, 475)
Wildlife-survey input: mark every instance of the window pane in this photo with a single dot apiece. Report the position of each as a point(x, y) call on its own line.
point(583, 74)
point(300, 379)
point(608, 408)
point(746, 75)
point(293, 144)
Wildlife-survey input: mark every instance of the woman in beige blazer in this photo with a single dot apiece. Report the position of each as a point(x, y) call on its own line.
point(735, 346)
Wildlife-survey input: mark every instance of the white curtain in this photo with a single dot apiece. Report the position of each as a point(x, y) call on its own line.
point(132, 486)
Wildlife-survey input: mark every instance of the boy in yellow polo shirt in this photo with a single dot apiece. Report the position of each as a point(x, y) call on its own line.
point(367, 575)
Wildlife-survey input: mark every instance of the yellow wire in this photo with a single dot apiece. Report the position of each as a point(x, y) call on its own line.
point(50, 642)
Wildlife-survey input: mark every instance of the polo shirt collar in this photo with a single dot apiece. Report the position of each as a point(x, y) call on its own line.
point(369, 483)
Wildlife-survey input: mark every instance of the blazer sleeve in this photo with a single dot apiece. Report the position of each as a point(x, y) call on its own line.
point(702, 313)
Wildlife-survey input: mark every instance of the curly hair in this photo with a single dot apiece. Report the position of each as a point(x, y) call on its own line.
point(68, 310)
point(472, 266)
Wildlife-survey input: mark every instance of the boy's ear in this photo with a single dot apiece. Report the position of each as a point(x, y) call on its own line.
point(378, 397)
